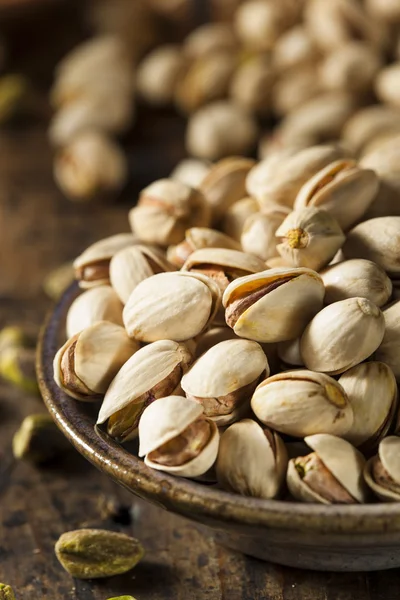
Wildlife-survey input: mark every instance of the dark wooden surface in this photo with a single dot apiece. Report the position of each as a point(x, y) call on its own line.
point(39, 229)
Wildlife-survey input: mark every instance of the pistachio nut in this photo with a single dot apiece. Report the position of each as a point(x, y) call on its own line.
point(209, 39)
point(367, 123)
point(252, 83)
point(289, 354)
point(274, 305)
point(252, 460)
point(175, 437)
point(97, 304)
point(259, 23)
point(152, 372)
point(342, 335)
point(17, 357)
point(385, 10)
point(224, 184)
point(382, 472)
point(197, 238)
point(277, 261)
point(332, 474)
point(388, 351)
point(220, 129)
point(133, 264)
point(300, 403)
point(92, 266)
point(377, 240)
point(342, 189)
point(387, 85)
point(158, 74)
point(235, 217)
point(165, 209)
point(213, 336)
point(309, 237)
point(258, 235)
point(294, 49)
point(191, 171)
point(364, 384)
point(356, 277)
point(6, 592)
point(38, 440)
point(295, 88)
point(176, 306)
point(223, 379)
point(87, 363)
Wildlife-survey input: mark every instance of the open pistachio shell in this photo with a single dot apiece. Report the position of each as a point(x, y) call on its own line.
point(274, 305)
point(342, 335)
point(388, 351)
point(96, 304)
point(251, 460)
point(197, 238)
point(382, 472)
point(377, 240)
point(301, 403)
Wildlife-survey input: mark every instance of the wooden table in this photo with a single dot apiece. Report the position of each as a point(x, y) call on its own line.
point(40, 229)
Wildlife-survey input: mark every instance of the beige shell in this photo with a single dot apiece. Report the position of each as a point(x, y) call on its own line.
point(342, 335)
point(165, 209)
point(388, 461)
point(158, 74)
point(368, 123)
point(196, 238)
point(99, 352)
point(309, 237)
point(388, 351)
point(387, 86)
point(259, 24)
point(130, 266)
point(233, 221)
point(209, 38)
point(357, 277)
point(166, 419)
point(190, 171)
point(372, 391)
point(300, 403)
point(284, 302)
point(251, 461)
point(224, 378)
point(294, 88)
point(294, 48)
point(252, 83)
point(377, 240)
point(289, 353)
point(97, 304)
point(175, 306)
point(91, 267)
point(342, 189)
point(233, 262)
point(213, 336)
point(258, 235)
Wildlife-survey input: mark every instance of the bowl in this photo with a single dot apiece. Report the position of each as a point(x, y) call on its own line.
point(311, 536)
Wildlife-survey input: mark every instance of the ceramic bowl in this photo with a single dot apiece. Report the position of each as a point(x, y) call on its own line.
point(333, 538)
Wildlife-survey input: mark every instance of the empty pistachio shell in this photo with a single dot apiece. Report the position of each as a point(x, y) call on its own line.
point(275, 305)
point(166, 208)
point(357, 277)
point(309, 237)
point(301, 403)
point(175, 306)
point(377, 240)
point(152, 372)
point(342, 189)
point(388, 351)
point(175, 437)
point(196, 238)
point(372, 391)
point(382, 472)
point(251, 460)
point(86, 364)
point(92, 266)
point(332, 474)
point(132, 265)
point(236, 215)
point(258, 235)
point(191, 171)
point(224, 378)
point(213, 336)
point(97, 304)
point(342, 335)
point(158, 74)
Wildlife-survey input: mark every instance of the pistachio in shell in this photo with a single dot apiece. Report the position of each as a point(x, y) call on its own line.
point(388, 351)
point(235, 217)
point(258, 234)
point(197, 238)
point(382, 472)
point(96, 304)
point(377, 240)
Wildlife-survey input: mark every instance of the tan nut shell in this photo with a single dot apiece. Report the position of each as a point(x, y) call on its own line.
point(388, 351)
point(230, 260)
point(342, 335)
point(213, 336)
point(191, 171)
point(301, 403)
point(388, 453)
point(247, 464)
point(97, 304)
point(197, 238)
point(236, 215)
point(377, 240)
point(258, 235)
point(367, 123)
point(284, 312)
point(145, 369)
point(289, 353)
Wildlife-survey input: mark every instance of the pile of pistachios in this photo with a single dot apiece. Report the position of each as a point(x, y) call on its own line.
point(248, 329)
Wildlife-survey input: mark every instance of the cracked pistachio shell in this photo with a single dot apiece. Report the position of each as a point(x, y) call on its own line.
point(97, 304)
point(224, 378)
point(92, 266)
point(301, 402)
point(213, 336)
point(275, 305)
point(191, 171)
point(152, 372)
point(158, 74)
point(175, 306)
point(309, 237)
point(377, 240)
point(165, 209)
point(132, 265)
point(233, 263)
point(356, 277)
point(342, 335)
point(372, 391)
point(388, 351)
point(342, 189)
point(197, 238)
point(86, 364)
point(169, 418)
point(224, 184)
point(279, 180)
point(258, 235)
point(235, 217)
point(252, 460)
point(382, 472)
point(368, 123)
point(343, 465)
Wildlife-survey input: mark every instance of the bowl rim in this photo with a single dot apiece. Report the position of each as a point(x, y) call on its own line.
point(189, 498)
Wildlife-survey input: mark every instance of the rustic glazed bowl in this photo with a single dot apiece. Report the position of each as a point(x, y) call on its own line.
point(332, 538)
